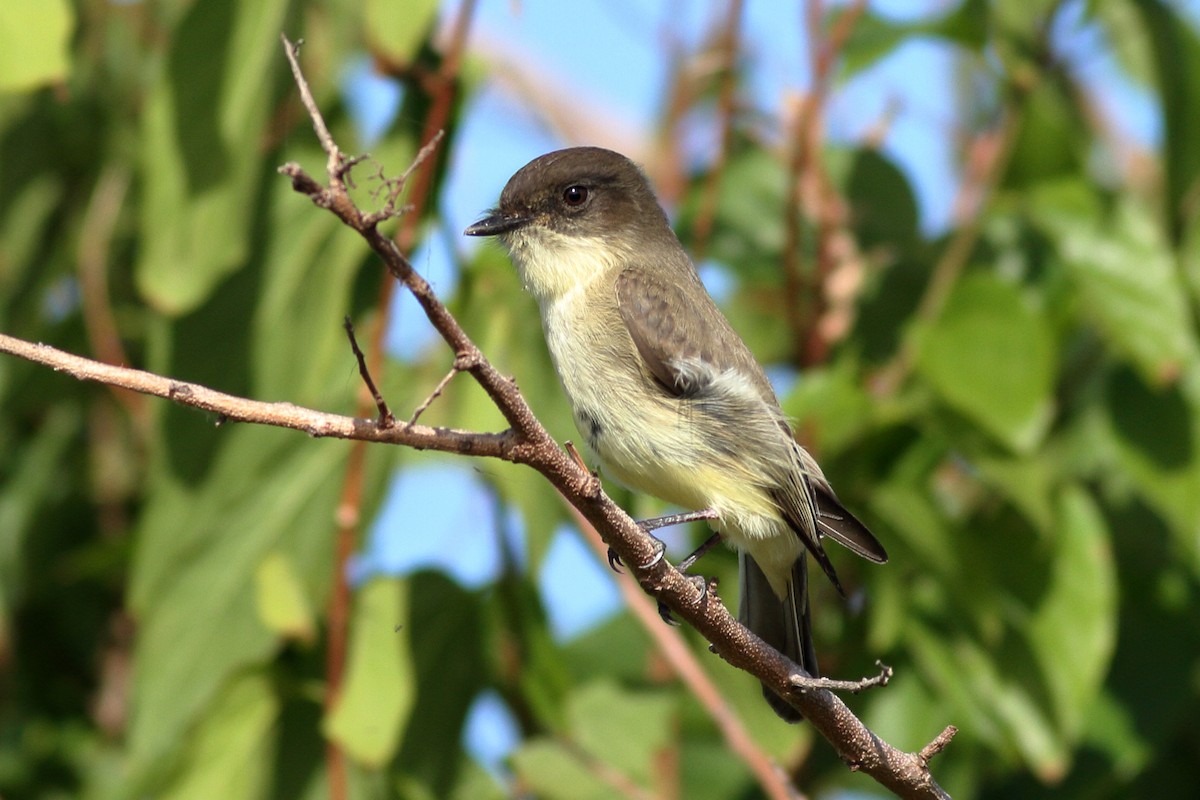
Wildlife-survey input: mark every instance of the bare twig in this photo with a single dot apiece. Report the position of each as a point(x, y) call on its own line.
point(938, 744)
point(227, 407)
point(434, 395)
point(806, 683)
point(386, 418)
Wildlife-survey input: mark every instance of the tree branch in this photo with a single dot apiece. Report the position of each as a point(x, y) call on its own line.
point(525, 442)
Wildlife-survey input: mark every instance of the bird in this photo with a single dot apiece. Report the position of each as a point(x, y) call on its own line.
point(663, 390)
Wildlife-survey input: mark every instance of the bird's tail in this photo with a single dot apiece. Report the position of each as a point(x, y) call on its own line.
point(783, 624)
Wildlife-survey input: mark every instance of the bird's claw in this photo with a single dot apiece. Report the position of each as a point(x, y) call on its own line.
point(614, 561)
point(701, 583)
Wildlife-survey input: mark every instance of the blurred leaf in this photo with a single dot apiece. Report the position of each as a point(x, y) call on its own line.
point(22, 230)
point(1027, 483)
point(1073, 630)
point(1108, 727)
point(229, 754)
point(882, 205)
point(201, 162)
point(829, 407)
point(748, 230)
point(299, 349)
point(993, 704)
point(446, 640)
point(624, 729)
point(508, 329)
point(1126, 283)
point(1157, 432)
point(370, 713)
point(282, 604)
point(1176, 48)
point(991, 357)
point(874, 37)
point(1127, 37)
point(553, 772)
point(396, 30)
point(34, 43)
point(1050, 141)
point(193, 578)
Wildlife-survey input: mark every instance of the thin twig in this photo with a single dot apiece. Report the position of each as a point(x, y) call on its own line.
point(386, 418)
point(938, 744)
point(434, 395)
point(806, 683)
point(505, 445)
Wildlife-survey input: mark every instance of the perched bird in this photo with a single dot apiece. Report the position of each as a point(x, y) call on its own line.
point(666, 394)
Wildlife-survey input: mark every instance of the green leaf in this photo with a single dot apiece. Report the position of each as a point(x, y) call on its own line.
point(1050, 141)
point(553, 772)
point(1125, 280)
point(370, 712)
point(199, 546)
point(35, 39)
point(282, 603)
point(446, 639)
point(229, 755)
point(621, 728)
point(396, 30)
point(883, 206)
point(1177, 62)
point(830, 406)
point(202, 159)
point(1073, 631)
point(990, 356)
point(1156, 430)
point(874, 37)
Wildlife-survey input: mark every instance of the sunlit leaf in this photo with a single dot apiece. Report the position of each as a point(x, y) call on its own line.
point(1073, 630)
point(990, 356)
point(396, 30)
point(1126, 282)
point(552, 771)
point(282, 604)
point(199, 158)
point(34, 43)
point(229, 754)
point(370, 712)
point(621, 728)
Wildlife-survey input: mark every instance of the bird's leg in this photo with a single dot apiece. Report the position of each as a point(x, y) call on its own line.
point(700, 581)
point(654, 523)
point(707, 545)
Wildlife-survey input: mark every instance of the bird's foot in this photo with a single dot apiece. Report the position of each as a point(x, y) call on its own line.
point(702, 585)
point(616, 562)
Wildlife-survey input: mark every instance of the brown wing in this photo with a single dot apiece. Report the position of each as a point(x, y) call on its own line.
point(681, 335)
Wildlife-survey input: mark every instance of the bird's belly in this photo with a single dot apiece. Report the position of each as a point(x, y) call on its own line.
point(663, 445)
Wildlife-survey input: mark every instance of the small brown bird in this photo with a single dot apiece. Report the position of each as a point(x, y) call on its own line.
point(662, 388)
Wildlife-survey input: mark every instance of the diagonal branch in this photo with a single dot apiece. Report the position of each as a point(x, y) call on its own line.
point(525, 442)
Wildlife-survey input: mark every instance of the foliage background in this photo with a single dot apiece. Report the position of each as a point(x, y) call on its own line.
point(1013, 404)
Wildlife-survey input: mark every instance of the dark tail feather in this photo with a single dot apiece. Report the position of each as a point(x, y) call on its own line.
point(783, 624)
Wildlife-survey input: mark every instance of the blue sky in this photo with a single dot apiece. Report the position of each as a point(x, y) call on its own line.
point(609, 55)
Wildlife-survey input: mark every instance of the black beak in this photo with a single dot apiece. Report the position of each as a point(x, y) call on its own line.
point(496, 223)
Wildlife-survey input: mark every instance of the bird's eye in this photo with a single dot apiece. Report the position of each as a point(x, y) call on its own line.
point(575, 195)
